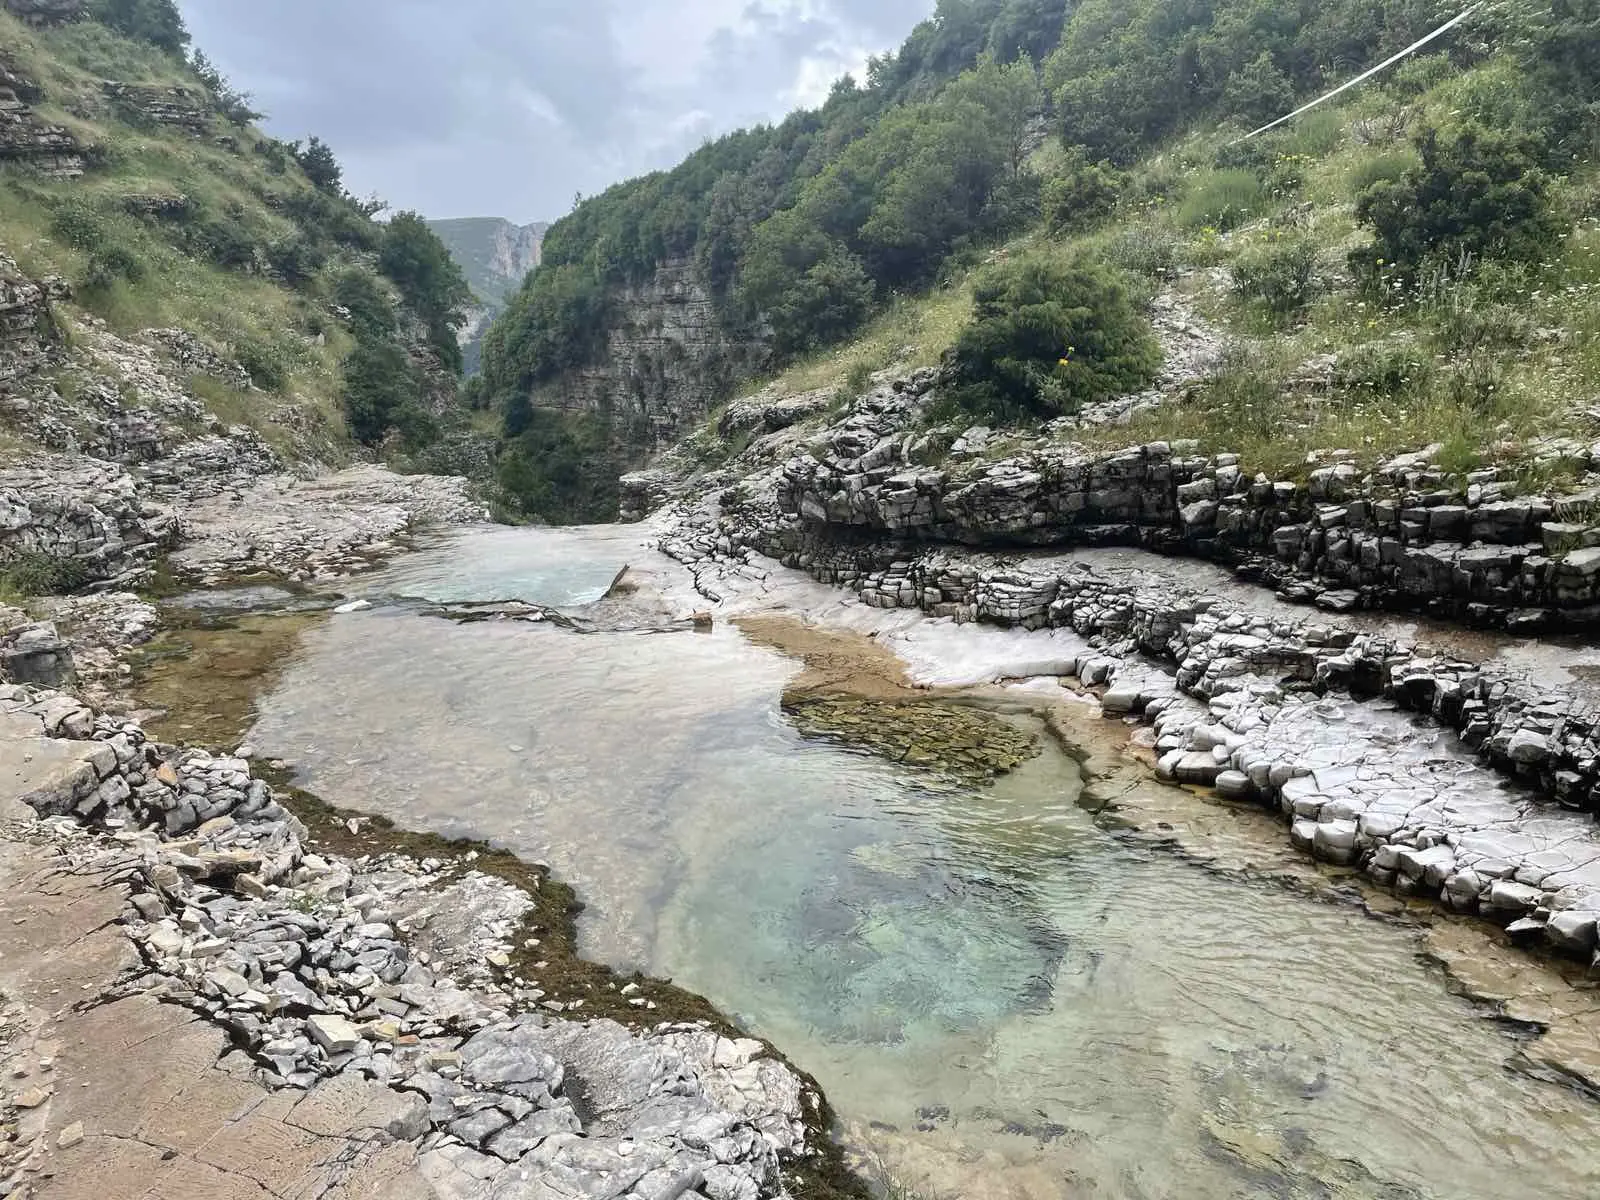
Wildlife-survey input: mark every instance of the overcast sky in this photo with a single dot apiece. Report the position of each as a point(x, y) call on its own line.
point(509, 107)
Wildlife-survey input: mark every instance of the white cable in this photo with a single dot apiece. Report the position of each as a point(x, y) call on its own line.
point(1343, 87)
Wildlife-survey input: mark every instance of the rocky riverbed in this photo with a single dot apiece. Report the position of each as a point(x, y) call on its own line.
point(393, 1022)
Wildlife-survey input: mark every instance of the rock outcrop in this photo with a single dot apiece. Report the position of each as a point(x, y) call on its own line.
point(88, 513)
point(175, 106)
point(665, 364)
point(29, 339)
point(1345, 538)
point(25, 138)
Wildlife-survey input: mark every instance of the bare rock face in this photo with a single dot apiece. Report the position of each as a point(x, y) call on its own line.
point(45, 12)
point(35, 653)
point(665, 364)
point(84, 511)
point(28, 335)
point(188, 109)
point(25, 138)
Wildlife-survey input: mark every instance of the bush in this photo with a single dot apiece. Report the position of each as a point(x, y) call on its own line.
point(74, 223)
point(155, 21)
point(35, 573)
point(1279, 276)
point(1083, 193)
point(265, 363)
point(1383, 369)
point(1389, 166)
point(110, 265)
point(562, 468)
point(320, 164)
point(1047, 338)
point(1144, 249)
point(1222, 200)
point(431, 282)
point(1259, 92)
point(1474, 193)
point(381, 392)
point(360, 294)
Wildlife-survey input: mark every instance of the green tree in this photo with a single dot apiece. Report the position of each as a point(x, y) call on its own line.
point(155, 21)
point(805, 284)
point(1475, 191)
point(1047, 338)
point(1259, 92)
point(321, 165)
point(430, 281)
point(359, 293)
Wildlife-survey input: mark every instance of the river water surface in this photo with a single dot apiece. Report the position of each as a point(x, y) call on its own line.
point(1001, 998)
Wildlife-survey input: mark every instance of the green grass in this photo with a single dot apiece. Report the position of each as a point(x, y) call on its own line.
point(282, 335)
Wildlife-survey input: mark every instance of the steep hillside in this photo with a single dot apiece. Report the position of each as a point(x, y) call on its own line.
point(495, 256)
point(170, 268)
point(1101, 154)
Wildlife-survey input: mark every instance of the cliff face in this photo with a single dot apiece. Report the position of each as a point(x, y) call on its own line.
point(495, 255)
point(668, 360)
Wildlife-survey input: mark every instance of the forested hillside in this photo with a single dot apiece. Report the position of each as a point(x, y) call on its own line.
point(134, 173)
point(1106, 133)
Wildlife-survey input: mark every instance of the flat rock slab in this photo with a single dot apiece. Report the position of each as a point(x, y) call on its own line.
point(56, 772)
point(179, 1117)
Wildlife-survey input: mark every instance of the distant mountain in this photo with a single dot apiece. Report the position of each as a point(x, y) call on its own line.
point(496, 256)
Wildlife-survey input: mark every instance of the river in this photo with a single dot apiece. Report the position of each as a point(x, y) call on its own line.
point(1003, 997)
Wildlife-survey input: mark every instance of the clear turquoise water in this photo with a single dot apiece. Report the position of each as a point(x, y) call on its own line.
point(1001, 998)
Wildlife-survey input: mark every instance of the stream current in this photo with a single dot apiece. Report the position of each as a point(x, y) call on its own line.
point(1002, 998)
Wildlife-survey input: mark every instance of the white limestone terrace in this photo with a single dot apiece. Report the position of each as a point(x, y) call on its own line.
point(1444, 763)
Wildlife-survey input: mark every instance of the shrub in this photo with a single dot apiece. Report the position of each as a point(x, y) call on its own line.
point(109, 265)
point(155, 21)
point(562, 468)
point(1083, 193)
point(1047, 338)
point(35, 573)
point(431, 282)
point(1388, 166)
point(265, 363)
point(1222, 200)
point(381, 392)
point(1143, 249)
point(360, 294)
point(1474, 192)
point(1258, 91)
point(1279, 276)
point(74, 223)
point(1383, 369)
point(320, 164)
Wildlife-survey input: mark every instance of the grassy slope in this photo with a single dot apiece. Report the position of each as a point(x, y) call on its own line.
point(1535, 383)
point(222, 306)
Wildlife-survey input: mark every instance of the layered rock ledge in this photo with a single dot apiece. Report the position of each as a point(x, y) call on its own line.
point(1403, 536)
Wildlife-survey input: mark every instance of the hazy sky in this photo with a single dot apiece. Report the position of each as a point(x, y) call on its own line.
point(510, 107)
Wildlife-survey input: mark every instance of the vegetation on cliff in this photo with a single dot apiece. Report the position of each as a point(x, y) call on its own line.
point(165, 207)
point(1111, 132)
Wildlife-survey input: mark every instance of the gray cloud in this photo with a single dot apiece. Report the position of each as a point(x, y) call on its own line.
point(509, 107)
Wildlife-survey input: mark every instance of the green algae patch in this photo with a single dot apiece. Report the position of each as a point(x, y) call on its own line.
point(201, 676)
point(948, 742)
